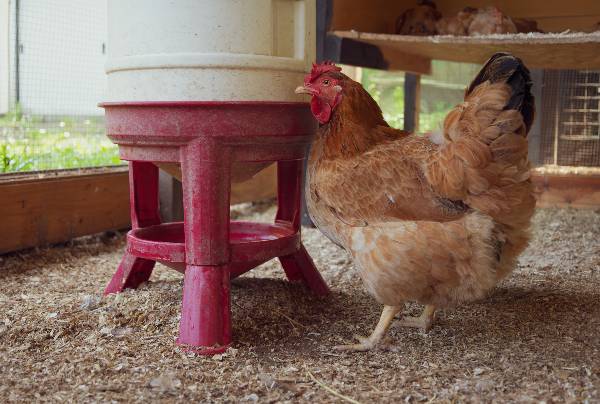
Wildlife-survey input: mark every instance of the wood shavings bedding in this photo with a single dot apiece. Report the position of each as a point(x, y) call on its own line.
point(535, 338)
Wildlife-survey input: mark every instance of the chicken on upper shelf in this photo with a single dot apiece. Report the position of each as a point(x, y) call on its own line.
point(425, 19)
point(420, 20)
point(457, 25)
point(490, 20)
point(437, 220)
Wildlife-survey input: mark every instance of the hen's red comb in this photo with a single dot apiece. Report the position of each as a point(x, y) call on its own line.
point(319, 69)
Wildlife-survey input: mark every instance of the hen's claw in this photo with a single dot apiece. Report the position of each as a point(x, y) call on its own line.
point(415, 322)
point(424, 321)
point(365, 344)
point(376, 339)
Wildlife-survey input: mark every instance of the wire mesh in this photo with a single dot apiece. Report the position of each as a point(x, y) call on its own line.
point(56, 56)
point(570, 114)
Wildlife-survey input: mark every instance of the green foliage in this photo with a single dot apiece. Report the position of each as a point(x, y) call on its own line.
point(31, 143)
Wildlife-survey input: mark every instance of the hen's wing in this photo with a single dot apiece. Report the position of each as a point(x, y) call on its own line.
point(384, 183)
point(484, 159)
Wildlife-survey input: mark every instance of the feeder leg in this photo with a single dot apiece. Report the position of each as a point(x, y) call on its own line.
point(132, 272)
point(143, 200)
point(205, 325)
point(297, 266)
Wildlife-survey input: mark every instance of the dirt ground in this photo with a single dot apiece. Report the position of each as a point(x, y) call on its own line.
point(535, 338)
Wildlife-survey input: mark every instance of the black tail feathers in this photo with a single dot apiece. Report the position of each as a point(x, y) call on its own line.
point(504, 67)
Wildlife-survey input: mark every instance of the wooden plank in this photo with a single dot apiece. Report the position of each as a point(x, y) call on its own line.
point(566, 51)
point(351, 52)
point(42, 211)
point(395, 59)
point(574, 191)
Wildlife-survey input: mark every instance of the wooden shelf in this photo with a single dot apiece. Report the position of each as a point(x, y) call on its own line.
point(579, 51)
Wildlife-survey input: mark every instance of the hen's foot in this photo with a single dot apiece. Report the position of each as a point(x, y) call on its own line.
point(376, 339)
point(424, 321)
point(365, 344)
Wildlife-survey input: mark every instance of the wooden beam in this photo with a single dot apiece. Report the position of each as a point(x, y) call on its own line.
point(398, 60)
point(355, 53)
point(61, 205)
point(543, 51)
point(535, 133)
point(574, 191)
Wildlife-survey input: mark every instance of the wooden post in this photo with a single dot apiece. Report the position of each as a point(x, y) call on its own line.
point(412, 101)
point(171, 198)
point(535, 134)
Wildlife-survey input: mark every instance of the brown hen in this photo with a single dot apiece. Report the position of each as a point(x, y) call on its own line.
point(490, 20)
point(435, 220)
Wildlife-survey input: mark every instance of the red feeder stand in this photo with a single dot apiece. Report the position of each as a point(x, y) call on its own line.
point(206, 138)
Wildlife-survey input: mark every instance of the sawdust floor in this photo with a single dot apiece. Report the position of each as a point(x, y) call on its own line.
point(536, 337)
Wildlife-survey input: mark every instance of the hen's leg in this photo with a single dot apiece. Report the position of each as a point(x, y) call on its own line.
point(424, 321)
point(365, 344)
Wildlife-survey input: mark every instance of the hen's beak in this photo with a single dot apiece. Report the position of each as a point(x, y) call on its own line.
point(305, 90)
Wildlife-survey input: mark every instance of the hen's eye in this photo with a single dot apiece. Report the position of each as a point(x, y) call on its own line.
point(326, 82)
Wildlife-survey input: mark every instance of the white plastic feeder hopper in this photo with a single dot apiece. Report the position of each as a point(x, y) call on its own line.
point(208, 50)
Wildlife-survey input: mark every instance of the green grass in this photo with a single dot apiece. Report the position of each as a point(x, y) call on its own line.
point(30, 143)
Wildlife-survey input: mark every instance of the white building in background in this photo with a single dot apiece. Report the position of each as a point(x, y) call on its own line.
point(57, 66)
point(4, 56)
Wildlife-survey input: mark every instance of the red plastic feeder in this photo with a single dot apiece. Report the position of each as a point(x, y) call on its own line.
point(206, 138)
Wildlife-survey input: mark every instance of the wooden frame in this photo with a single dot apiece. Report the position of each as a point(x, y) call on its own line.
point(52, 207)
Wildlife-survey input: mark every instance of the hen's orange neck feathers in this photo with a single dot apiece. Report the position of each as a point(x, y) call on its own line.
point(352, 128)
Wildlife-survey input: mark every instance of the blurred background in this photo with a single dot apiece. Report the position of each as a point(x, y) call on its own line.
point(53, 54)
point(52, 78)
